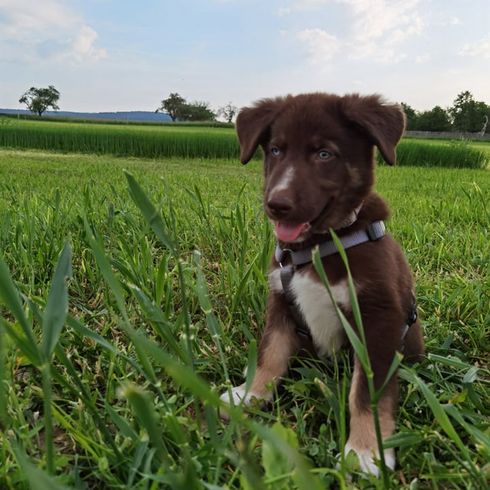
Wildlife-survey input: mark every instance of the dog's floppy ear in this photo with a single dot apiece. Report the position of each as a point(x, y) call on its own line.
point(383, 123)
point(252, 125)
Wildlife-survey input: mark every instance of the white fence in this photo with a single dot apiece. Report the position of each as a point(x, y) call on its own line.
point(447, 135)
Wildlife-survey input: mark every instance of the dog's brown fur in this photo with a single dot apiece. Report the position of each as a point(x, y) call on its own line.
point(324, 192)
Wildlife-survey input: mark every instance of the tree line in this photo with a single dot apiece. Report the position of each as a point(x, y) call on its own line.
point(466, 114)
point(180, 110)
point(38, 100)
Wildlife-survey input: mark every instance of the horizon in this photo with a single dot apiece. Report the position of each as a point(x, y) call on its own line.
point(105, 56)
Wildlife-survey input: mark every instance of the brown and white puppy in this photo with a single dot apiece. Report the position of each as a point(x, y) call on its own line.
point(319, 172)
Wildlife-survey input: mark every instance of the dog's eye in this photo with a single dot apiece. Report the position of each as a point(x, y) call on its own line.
point(324, 155)
point(275, 151)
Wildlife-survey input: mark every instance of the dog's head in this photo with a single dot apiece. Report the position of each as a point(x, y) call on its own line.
point(318, 156)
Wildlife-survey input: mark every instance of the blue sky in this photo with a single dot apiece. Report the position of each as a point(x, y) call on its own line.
point(106, 55)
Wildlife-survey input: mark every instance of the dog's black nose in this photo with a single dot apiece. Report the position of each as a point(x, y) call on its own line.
point(280, 205)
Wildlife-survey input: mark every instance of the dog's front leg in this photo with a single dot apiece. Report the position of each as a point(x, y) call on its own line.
point(278, 344)
point(362, 437)
point(383, 340)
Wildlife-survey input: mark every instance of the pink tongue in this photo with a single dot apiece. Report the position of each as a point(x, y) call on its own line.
point(288, 233)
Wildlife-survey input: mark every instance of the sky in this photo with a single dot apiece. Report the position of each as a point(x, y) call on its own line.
point(110, 55)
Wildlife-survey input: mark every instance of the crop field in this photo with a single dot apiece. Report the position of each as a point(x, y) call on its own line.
point(131, 140)
point(193, 141)
point(167, 263)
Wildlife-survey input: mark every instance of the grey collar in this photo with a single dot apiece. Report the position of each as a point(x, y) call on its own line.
point(375, 231)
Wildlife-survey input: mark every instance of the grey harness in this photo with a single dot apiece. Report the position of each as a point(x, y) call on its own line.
point(375, 231)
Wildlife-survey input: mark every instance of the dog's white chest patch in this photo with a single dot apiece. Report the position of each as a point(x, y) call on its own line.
point(317, 308)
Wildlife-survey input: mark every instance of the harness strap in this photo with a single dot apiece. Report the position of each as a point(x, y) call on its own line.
point(375, 231)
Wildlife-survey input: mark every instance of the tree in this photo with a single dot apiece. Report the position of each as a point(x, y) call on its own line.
point(437, 119)
point(39, 99)
point(411, 116)
point(196, 111)
point(173, 105)
point(228, 112)
point(467, 113)
point(179, 110)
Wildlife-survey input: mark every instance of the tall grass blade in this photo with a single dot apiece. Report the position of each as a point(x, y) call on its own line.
point(3, 380)
point(395, 364)
point(155, 221)
point(251, 364)
point(74, 384)
point(443, 420)
point(11, 299)
point(211, 320)
point(354, 339)
point(105, 268)
point(149, 212)
point(37, 478)
point(56, 310)
point(28, 350)
point(83, 331)
point(439, 413)
point(157, 318)
point(302, 475)
point(117, 290)
point(479, 436)
point(147, 417)
point(121, 423)
point(181, 373)
point(48, 416)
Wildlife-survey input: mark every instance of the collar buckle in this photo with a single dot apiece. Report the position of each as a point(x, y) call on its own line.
point(376, 230)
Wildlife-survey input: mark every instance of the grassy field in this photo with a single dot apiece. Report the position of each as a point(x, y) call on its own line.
point(483, 146)
point(197, 141)
point(142, 140)
point(155, 331)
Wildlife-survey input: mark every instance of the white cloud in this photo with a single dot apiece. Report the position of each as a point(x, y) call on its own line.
point(84, 45)
point(480, 48)
point(452, 21)
point(423, 58)
point(284, 11)
point(51, 31)
point(320, 45)
point(394, 20)
point(299, 5)
point(378, 28)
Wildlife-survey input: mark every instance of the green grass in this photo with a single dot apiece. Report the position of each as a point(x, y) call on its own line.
point(196, 141)
point(482, 146)
point(145, 318)
point(187, 141)
point(455, 154)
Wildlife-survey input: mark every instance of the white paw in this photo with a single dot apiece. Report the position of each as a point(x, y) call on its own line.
point(238, 396)
point(368, 457)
